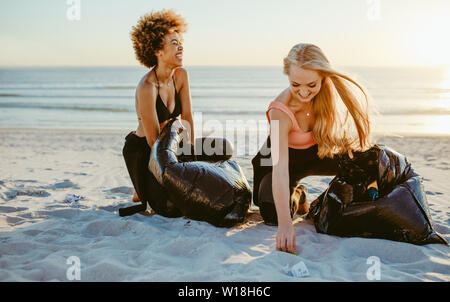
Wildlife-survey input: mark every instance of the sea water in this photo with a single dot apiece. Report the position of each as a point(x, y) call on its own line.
point(410, 101)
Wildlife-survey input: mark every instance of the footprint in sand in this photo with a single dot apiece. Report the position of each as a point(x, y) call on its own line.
point(12, 221)
point(26, 192)
point(29, 216)
point(26, 180)
point(4, 239)
point(103, 228)
point(76, 173)
point(63, 185)
point(433, 193)
point(430, 158)
point(6, 209)
point(111, 208)
point(443, 229)
point(32, 232)
point(122, 189)
point(63, 213)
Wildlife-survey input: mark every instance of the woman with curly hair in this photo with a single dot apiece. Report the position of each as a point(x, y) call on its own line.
point(163, 93)
point(306, 132)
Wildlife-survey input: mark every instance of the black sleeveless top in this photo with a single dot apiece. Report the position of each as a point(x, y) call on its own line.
point(161, 110)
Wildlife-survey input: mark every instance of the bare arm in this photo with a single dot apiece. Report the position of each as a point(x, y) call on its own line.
point(280, 180)
point(186, 101)
point(280, 172)
point(147, 111)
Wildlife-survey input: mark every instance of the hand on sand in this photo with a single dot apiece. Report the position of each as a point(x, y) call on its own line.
point(286, 238)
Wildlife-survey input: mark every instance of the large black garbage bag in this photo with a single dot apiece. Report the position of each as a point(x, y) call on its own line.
point(400, 213)
point(212, 191)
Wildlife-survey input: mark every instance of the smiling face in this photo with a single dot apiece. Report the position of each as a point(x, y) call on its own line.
point(305, 84)
point(172, 52)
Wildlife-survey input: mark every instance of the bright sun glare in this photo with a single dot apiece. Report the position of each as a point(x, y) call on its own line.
point(430, 42)
point(441, 124)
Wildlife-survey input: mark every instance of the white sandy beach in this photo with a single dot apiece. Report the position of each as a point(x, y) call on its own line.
point(39, 231)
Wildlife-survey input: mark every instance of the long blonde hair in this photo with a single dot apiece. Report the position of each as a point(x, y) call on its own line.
point(333, 134)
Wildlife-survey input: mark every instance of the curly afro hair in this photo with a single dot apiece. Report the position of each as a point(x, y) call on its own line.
point(148, 34)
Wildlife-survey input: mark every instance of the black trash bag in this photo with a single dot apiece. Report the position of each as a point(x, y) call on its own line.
point(212, 191)
point(400, 213)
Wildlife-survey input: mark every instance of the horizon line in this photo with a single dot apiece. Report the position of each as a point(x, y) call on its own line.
point(187, 66)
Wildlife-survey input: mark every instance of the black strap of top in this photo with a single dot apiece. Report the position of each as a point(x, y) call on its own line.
point(174, 85)
point(157, 81)
point(173, 79)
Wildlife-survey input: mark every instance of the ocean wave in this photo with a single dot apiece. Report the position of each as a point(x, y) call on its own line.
point(238, 112)
point(127, 87)
point(244, 112)
point(62, 107)
point(9, 95)
point(194, 96)
point(15, 95)
point(432, 111)
point(51, 87)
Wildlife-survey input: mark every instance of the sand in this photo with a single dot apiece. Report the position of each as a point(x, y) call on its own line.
point(39, 230)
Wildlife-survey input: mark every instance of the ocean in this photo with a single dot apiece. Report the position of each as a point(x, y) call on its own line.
point(410, 101)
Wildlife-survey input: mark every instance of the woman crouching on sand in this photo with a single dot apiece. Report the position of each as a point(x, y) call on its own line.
point(162, 93)
point(308, 132)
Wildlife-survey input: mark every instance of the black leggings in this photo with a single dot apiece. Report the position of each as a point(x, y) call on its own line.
point(136, 153)
point(302, 163)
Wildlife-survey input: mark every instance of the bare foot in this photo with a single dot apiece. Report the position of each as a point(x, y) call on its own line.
point(135, 198)
point(303, 207)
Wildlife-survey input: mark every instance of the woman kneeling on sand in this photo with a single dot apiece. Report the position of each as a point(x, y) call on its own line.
point(310, 131)
point(162, 93)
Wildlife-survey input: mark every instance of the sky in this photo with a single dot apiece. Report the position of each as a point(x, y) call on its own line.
point(232, 32)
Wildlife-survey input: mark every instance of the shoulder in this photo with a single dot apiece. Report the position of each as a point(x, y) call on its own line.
point(180, 71)
point(280, 114)
point(146, 90)
point(181, 78)
point(277, 114)
point(181, 74)
point(283, 119)
point(283, 97)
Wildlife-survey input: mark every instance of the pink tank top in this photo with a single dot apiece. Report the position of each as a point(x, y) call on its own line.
point(297, 138)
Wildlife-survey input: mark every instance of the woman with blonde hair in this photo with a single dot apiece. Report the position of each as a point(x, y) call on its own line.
point(320, 115)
